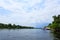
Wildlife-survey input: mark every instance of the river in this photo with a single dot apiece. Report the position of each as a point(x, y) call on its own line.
point(25, 34)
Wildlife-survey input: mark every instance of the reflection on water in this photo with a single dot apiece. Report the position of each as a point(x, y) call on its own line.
point(25, 34)
point(56, 35)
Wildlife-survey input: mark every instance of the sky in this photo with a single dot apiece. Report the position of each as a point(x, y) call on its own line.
point(36, 13)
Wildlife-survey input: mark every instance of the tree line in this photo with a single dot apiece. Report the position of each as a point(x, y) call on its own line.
point(10, 26)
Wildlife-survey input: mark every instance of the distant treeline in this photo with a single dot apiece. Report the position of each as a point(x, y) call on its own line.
point(10, 26)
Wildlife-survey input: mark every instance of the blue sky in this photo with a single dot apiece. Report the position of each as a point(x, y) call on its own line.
point(35, 13)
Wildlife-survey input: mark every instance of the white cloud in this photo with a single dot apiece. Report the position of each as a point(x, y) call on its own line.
point(29, 12)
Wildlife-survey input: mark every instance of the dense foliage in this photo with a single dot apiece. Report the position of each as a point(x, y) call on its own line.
point(10, 26)
point(56, 23)
point(55, 26)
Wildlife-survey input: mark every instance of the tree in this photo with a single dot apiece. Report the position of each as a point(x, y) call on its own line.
point(55, 25)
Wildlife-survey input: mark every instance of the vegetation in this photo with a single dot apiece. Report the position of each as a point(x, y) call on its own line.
point(10, 26)
point(55, 26)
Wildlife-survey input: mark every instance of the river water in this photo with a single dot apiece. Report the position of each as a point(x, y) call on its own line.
point(25, 34)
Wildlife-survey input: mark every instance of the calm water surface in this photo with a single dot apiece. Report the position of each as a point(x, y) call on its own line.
point(25, 34)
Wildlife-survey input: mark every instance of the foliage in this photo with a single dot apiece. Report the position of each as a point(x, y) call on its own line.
point(55, 25)
point(10, 26)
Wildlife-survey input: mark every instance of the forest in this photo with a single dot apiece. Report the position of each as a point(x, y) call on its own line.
point(10, 26)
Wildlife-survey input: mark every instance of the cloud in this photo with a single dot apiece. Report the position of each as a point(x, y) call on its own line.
point(28, 12)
